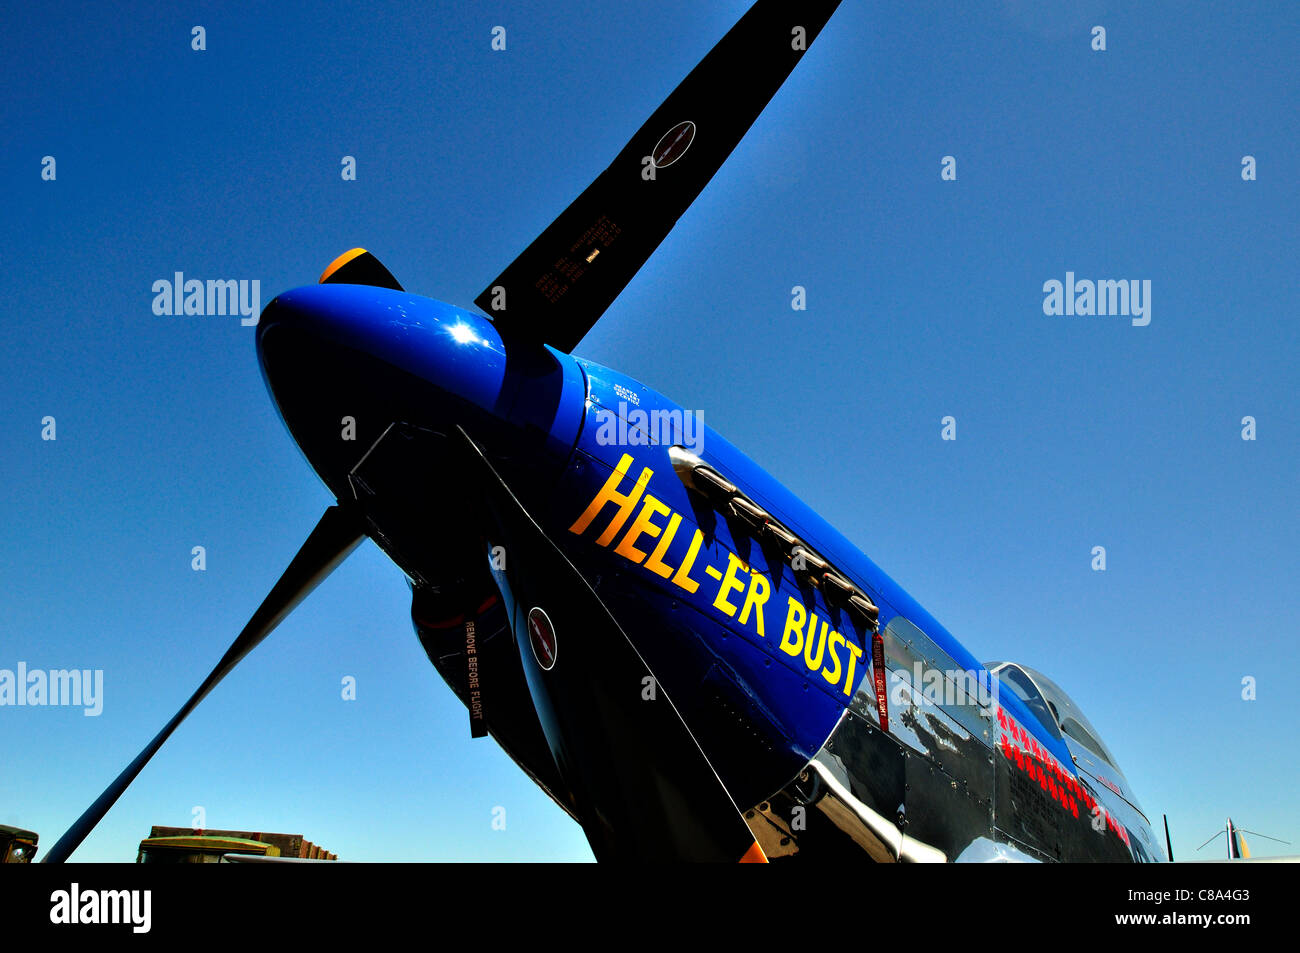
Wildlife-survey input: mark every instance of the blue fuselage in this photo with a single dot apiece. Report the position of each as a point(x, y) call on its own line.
point(762, 668)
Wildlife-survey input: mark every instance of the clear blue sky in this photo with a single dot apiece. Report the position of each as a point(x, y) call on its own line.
point(924, 300)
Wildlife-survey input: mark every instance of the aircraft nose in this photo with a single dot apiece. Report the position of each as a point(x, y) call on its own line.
point(459, 350)
point(343, 362)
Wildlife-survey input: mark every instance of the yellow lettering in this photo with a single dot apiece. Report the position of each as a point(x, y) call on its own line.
point(729, 583)
point(655, 563)
point(833, 676)
point(683, 577)
point(641, 526)
point(815, 663)
point(755, 599)
point(794, 620)
point(609, 494)
point(855, 653)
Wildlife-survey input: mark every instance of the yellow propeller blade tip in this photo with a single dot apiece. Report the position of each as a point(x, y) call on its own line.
point(339, 262)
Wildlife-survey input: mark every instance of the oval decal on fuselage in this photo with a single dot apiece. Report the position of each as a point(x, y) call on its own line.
point(541, 635)
point(674, 144)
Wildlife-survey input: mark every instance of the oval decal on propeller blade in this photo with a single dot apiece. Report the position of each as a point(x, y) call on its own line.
point(541, 635)
point(674, 144)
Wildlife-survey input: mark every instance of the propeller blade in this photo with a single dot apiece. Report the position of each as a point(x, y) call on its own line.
point(358, 267)
point(638, 779)
point(563, 282)
point(335, 536)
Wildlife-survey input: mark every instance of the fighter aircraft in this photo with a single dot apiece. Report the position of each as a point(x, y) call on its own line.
point(683, 655)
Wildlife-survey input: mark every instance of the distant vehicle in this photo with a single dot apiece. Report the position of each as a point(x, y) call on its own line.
point(287, 846)
point(17, 846)
point(199, 849)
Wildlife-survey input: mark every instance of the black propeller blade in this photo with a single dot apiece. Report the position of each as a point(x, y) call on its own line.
point(563, 282)
point(639, 781)
point(334, 537)
point(358, 267)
